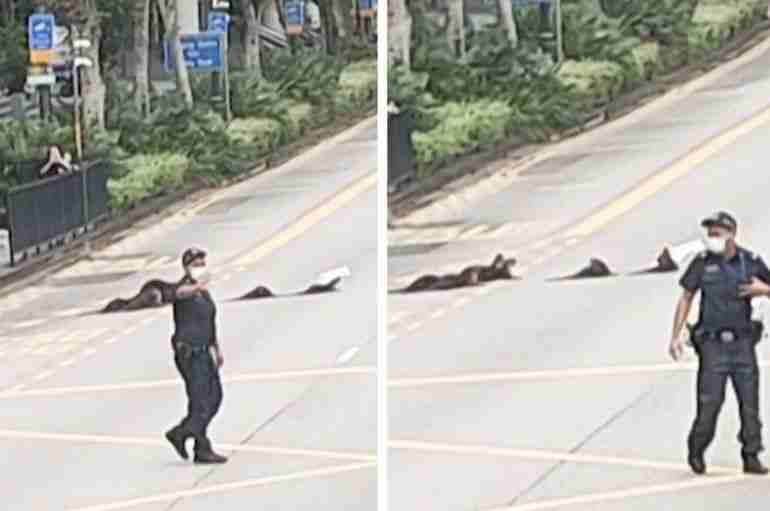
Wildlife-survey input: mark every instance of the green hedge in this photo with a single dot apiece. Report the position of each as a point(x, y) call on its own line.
point(462, 128)
point(358, 84)
point(598, 80)
point(147, 176)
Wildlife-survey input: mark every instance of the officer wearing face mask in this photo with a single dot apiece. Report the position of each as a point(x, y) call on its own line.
point(198, 358)
point(728, 277)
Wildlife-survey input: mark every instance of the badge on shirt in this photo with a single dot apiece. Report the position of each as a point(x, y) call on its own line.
point(711, 268)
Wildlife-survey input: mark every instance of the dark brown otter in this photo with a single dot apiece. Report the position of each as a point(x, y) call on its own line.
point(264, 292)
point(154, 293)
point(500, 269)
point(596, 268)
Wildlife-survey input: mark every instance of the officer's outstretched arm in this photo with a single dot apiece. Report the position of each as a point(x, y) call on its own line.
point(683, 307)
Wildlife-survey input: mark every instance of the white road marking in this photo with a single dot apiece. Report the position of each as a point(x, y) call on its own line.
point(545, 374)
point(153, 442)
point(506, 452)
point(220, 488)
point(348, 355)
point(238, 378)
point(438, 313)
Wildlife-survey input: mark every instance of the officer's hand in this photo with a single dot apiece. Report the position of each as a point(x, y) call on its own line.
point(756, 288)
point(220, 360)
point(675, 349)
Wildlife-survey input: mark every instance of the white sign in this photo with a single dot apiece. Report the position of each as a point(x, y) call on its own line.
point(5, 247)
point(38, 80)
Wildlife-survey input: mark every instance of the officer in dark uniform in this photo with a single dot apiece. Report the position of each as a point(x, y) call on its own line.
point(724, 338)
point(198, 358)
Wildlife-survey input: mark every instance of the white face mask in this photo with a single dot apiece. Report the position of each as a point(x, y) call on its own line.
point(199, 273)
point(715, 244)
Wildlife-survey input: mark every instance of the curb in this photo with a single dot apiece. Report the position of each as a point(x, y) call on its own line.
point(157, 209)
point(475, 167)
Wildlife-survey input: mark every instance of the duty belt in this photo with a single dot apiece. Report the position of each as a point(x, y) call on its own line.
point(724, 335)
point(186, 349)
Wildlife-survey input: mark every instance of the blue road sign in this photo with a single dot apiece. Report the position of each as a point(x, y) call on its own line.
point(295, 13)
point(218, 21)
point(203, 52)
point(365, 5)
point(41, 32)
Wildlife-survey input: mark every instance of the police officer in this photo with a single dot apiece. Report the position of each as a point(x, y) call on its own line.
point(724, 338)
point(198, 358)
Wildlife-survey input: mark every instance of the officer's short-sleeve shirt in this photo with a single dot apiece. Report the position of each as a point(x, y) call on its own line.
point(195, 318)
point(720, 304)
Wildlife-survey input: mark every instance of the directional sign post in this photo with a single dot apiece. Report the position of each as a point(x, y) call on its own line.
point(41, 38)
point(204, 52)
point(295, 17)
point(218, 21)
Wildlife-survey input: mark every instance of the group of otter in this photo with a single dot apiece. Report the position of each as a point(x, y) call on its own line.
point(157, 293)
point(501, 268)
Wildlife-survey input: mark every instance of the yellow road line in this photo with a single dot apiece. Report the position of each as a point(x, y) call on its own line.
point(536, 454)
point(657, 182)
point(221, 488)
point(237, 378)
point(308, 220)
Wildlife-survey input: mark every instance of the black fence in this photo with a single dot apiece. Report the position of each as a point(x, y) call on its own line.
point(47, 213)
point(401, 163)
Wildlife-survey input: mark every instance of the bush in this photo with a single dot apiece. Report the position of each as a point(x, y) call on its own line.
point(301, 117)
point(644, 62)
point(591, 35)
point(358, 84)
point(598, 80)
point(263, 134)
point(147, 176)
point(461, 128)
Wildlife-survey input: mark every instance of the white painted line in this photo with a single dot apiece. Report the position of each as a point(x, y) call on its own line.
point(43, 375)
point(26, 324)
point(147, 321)
point(554, 374)
point(571, 241)
point(503, 229)
point(348, 355)
point(89, 352)
point(111, 340)
point(438, 313)
point(238, 378)
point(642, 491)
point(414, 326)
point(130, 330)
point(153, 442)
point(220, 488)
point(555, 251)
point(66, 363)
point(460, 302)
point(506, 452)
point(474, 231)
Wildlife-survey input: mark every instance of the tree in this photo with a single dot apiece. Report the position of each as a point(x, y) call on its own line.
point(251, 48)
point(141, 50)
point(456, 27)
point(505, 10)
point(168, 10)
point(399, 32)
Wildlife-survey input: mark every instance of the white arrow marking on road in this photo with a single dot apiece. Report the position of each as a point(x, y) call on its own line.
point(348, 355)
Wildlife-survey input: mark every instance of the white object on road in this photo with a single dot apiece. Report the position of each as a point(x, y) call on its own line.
point(681, 253)
point(327, 277)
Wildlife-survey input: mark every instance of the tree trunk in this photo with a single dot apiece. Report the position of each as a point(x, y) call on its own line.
point(171, 21)
point(142, 56)
point(505, 13)
point(94, 89)
point(456, 28)
point(343, 20)
point(399, 32)
point(251, 48)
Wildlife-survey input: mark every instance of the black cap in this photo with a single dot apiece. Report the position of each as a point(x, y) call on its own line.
point(191, 254)
point(720, 219)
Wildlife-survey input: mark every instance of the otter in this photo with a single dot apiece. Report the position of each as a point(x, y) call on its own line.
point(596, 268)
point(264, 292)
point(664, 264)
point(153, 293)
point(500, 269)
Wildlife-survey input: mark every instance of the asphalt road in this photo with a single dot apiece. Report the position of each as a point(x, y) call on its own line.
point(84, 400)
point(568, 398)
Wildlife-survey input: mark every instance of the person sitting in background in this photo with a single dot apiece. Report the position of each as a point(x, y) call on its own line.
point(57, 164)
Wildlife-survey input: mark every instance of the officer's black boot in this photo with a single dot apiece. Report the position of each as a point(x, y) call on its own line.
point(205, 454)
point(177, 438)
point(696, 463)
point(752, 465)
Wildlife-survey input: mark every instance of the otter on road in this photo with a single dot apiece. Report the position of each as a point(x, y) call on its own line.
point(500, 269)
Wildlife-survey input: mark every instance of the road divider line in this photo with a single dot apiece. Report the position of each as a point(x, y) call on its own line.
point(639, 491)
point(553, 374)
point(309, 220)
point(221, 488)
point(657, 182)
point(236, 378)
point(152, 442)
point(506, 452)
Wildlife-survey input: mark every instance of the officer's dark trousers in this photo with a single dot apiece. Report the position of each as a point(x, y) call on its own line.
point(718, 362)
point(204, 396)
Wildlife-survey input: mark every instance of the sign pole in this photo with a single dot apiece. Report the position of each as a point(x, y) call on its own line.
point(559, 34)
point(228, 112)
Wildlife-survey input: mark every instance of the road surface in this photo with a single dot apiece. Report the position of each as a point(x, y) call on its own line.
point(531, 394)
point(84, 400)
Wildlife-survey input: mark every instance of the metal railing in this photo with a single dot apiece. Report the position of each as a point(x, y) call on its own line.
point(44, 214)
